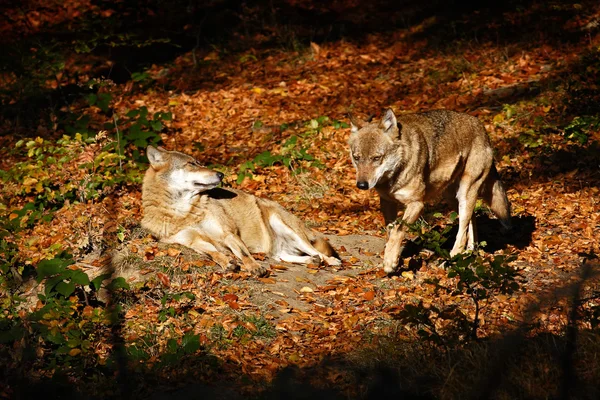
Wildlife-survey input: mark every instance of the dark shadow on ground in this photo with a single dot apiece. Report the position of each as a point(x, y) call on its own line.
point(490, 231)
point(390, 369)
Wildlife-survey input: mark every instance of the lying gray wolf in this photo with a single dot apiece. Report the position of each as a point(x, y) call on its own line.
point(182, 205)
point(417, 158)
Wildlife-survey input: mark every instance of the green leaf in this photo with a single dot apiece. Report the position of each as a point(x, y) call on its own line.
point(172, 345)
point(118, 283)
point(92, 98)
point(156, 125)
point(51, 267)
point(189, 295)
point(65, 288)
point(139, 76)
point(137, 354)
point(103, 101)
point(56, 338)
point(80, 278)
point(15, 333)
point(190, 343)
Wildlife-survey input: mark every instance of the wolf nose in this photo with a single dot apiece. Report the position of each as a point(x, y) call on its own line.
point(362, 185)
point(220, 175)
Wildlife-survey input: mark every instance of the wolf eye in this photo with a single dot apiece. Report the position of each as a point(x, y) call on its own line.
point(376, 158)
point(356, 158)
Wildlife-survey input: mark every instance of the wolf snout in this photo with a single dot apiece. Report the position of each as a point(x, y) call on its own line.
point(363, 185)
point(220, 175)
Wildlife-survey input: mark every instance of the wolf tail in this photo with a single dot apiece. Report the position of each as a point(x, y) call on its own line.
point(321, 244)
point(494, 195)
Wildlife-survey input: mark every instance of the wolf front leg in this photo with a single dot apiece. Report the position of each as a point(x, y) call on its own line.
point(394, 245)
point(201, 244)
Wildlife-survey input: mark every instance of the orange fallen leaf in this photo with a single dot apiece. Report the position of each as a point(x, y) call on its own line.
point(230, 297)
point(173, 252)
point(164, 279)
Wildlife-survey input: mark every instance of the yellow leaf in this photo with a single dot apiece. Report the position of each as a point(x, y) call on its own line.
point(408, 275)
point(306, 289)
point(74, 352)
point(257, 90)
point(29, 181)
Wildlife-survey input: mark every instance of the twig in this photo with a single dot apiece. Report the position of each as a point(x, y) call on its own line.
point(118, 143)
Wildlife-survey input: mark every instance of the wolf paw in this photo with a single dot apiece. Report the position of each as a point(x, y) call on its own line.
point(315, 260)
point(232, 266)
point(454, 252)
point(389, 264)
point(334, 262)
point(388, 269)
point(259, 271)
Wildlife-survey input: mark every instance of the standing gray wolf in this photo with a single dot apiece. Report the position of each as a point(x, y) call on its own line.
point(182, 205)
point(414, 158)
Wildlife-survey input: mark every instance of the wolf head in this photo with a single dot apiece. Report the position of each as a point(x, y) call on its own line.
point(181, 172)
point(373, 149)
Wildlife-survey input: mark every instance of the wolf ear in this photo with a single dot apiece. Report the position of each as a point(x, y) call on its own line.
point(355, 123)
point(155, 156)
point(388, 121)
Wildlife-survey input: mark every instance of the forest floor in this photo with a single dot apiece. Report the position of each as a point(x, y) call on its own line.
point(266, 103)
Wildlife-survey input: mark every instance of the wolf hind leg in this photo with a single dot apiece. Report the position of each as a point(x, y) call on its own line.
point(494, 195)
point(472, 229)
point(239, 249)
point(295, 259)
point(472, 234)
point(467, 197)
point(291, 245)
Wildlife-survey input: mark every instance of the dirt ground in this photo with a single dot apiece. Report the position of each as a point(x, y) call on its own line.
point(291, 283)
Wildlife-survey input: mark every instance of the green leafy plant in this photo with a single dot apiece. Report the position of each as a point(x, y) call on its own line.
point(61, 280)
point(429, 238)
point(71, 168)
point(176, 350)
point(579, 128)
point(531, 139)
point(482, 276)
point(169, 311)
point(476, 275)
point(290, 155)
point(138, 129)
